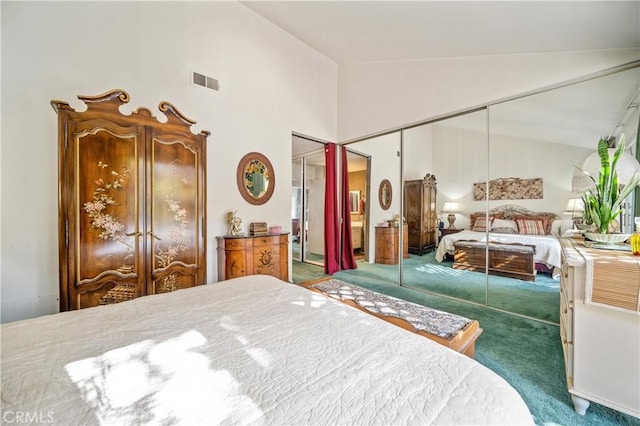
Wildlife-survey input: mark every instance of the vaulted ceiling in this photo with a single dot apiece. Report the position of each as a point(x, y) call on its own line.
point(354, 31)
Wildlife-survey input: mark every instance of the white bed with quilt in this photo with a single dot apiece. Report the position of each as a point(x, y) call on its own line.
point(252, 350)
point(511, 224)
point(547, 246)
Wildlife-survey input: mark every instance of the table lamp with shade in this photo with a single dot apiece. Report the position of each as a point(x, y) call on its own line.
point(451, 207)
point(575, 208)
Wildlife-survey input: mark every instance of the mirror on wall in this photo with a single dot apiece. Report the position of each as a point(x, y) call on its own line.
point(441, 163)
point(354, 202)
point(385, 194)
point(535, 143)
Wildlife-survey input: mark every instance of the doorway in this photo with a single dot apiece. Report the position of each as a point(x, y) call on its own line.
point(359, 196)
point(307, 200)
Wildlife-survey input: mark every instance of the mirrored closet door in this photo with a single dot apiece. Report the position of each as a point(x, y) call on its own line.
point(441, 163)
point(383, 249)
point(495, 189)
point(535, 144)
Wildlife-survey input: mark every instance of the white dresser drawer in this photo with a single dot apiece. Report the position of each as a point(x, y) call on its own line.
point(566, 322)
point(567, 349)
point(566, 282)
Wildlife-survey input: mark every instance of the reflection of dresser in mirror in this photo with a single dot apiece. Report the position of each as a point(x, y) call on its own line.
point(420, 213)
point(357, 236)
point(387, 243)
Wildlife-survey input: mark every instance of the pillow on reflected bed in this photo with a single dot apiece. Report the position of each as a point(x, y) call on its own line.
point(480, 225)
point(531, 227)
point(504, 226)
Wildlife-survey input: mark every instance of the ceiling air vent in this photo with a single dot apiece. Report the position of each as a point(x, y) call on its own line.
point(199, 79)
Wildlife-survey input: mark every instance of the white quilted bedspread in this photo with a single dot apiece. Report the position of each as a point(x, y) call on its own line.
point(252, 350)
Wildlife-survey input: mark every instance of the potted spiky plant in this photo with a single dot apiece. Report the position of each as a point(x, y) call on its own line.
point(603, 203)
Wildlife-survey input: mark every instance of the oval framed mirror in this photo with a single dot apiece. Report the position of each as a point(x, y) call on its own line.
point(385, 194)
point(256, 178)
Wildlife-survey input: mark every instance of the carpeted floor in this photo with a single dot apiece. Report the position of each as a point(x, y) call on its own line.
point(527, 353)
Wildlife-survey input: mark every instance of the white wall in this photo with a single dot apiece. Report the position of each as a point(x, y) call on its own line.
point(377, 96)
point(270, 85)
point(417, 159)
point(463, 157)
point(461, 160)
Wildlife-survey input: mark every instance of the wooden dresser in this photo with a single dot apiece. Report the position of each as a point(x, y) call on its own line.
point(387, 243)
point(601, 341)
point(253, 255)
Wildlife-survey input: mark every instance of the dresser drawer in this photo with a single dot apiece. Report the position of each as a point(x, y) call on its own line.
point(266, 240)
point(234, 244)
point(566, 321)
point(566, 282)
point(567, 349)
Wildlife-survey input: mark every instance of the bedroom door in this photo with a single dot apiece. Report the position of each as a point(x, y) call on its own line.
point(132, 212)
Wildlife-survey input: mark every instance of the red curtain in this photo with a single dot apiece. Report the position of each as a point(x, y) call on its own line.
point(348, 260)
point(331, 218)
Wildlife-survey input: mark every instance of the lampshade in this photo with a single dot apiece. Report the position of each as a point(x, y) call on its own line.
point(574, 205)
point(450, 207)
point(627, 165)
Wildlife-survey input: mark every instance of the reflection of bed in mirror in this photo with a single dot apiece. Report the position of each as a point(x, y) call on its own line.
point(511, 230)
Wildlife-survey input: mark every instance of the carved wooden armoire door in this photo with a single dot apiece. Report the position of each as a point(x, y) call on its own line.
point(132, 213)
point(420, 213)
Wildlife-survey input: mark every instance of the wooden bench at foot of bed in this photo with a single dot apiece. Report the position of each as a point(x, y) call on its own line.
point(508, 260)
point(453, 331)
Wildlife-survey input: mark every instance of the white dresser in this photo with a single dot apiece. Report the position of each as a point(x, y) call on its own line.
point(356, 237)
point(601, 343)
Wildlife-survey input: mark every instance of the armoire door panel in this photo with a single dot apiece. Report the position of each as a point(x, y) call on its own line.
point(104, 243)
point(175, 211)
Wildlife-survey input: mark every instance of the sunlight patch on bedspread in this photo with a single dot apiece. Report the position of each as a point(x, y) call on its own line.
point(143, 383)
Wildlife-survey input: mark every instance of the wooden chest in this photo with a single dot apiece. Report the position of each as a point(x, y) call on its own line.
point(508, 260)
point(253, 255)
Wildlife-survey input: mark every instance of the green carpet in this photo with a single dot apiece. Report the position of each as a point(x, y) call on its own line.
point(527, 353)
point(539, 299)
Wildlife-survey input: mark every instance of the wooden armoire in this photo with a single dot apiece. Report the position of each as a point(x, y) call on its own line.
point(132, 213)
point(420, 213)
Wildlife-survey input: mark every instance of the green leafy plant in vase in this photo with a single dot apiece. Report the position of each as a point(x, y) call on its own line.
point(603, 203)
